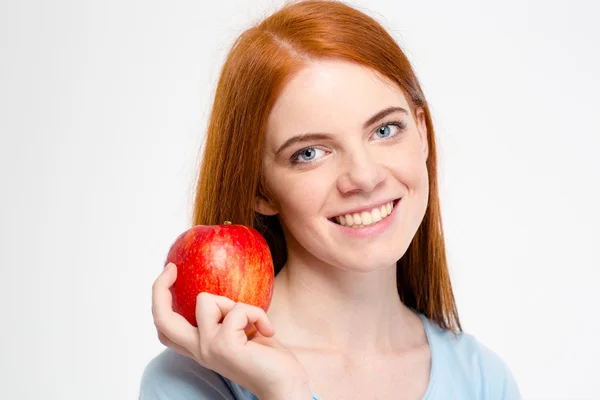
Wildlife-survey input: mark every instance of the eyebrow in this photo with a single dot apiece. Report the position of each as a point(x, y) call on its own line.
point(307, 137)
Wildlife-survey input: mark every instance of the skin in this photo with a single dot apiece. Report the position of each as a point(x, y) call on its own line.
point(337, 294)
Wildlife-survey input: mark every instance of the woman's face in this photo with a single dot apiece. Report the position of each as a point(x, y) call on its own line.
point(364, 151)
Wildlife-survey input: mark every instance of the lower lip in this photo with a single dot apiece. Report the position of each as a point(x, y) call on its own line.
point(370, 230)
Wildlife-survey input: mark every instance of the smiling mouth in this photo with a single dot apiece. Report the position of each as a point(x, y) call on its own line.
point(365, 218)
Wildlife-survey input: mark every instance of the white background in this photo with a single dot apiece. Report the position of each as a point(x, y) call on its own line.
point(103, 109)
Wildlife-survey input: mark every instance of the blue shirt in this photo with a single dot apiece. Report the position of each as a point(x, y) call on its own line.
point(461, 368)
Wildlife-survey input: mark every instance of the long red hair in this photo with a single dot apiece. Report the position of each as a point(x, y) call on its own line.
point(259, 64)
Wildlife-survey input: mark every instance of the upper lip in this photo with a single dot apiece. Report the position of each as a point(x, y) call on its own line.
point(364, 208)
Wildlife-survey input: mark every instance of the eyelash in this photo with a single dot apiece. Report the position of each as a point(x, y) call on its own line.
point(401, 125)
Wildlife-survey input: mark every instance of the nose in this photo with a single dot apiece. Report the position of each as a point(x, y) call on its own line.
point(360, 172)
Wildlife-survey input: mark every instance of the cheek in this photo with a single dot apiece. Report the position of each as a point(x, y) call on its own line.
point(406, 164)
point(302, 194)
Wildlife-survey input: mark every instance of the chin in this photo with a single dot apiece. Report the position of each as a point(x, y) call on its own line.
point(367, 266)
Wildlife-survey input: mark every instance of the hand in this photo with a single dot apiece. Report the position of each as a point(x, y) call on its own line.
point(224, 341)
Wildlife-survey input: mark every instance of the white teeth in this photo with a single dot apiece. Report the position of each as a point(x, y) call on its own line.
point(376, 215)
point(349, 219)
point(357, 219)
point(366, 217)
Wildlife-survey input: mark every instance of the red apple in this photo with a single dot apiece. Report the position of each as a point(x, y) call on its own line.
point(226, 260)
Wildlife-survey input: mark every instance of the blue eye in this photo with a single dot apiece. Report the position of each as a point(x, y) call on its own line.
point(308, 155)
point(385, 131)
point(305, 156)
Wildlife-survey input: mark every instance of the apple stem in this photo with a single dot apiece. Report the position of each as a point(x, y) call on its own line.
point(227, 223)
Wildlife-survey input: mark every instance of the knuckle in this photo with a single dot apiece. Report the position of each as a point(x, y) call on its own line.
point(235, 312)
point(202, 297)
point(225, 299)
point(258, 309)
point(249, 309)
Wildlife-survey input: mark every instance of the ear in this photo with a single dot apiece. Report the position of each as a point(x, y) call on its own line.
point(422, 128)
point(264, 206)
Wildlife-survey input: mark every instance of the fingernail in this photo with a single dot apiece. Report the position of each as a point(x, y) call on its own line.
point(169, 266)
point(250, 329)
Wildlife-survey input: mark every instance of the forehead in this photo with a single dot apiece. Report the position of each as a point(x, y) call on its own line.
point(328, 93)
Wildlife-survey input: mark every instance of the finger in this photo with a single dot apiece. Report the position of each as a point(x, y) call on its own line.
point(207, 316)
point(243, 314)
point(210, 312)
point(172, 324)
point(250, 330)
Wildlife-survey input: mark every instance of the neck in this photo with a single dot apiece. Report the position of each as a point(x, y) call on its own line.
point(325, 308)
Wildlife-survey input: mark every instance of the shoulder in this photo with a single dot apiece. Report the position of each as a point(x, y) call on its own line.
point(473, 364)
point(491, 372)
point(171, 376)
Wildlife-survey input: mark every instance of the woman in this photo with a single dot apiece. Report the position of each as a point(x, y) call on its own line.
point(321, 138)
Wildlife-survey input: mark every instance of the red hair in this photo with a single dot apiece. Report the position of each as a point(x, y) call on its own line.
point(259, 64)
